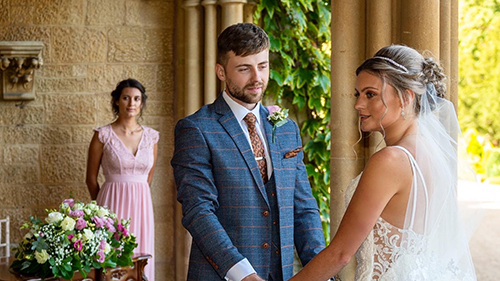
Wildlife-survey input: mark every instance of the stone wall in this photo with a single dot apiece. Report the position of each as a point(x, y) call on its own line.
point(89, 46)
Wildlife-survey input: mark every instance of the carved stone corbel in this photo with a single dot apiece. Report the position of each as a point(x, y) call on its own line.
point(18, 62)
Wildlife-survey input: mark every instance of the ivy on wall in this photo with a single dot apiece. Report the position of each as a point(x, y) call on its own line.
point(299, 32)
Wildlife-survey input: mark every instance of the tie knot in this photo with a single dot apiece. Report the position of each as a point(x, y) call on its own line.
point(250, 119)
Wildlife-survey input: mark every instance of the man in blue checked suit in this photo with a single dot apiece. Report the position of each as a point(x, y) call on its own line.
point(246, 199)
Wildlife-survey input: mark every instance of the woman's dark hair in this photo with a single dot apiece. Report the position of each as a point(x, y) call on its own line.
point(128, 83)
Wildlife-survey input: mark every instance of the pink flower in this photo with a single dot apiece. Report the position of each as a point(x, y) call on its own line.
point(70, 236)
point(80, 224)
point(102, 245)
point(98, 222)
point(70, 202)
point(76, 213)
point(101, 256)
point(110, 227)
point(109, 224)
point(273, 108)
point(125, 232)
point(78, 245)
point(120, 227)
point(117, 236)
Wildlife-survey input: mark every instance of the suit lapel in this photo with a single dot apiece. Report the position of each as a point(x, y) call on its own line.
point(273, 147)
point(274, 151)
point(233, 128)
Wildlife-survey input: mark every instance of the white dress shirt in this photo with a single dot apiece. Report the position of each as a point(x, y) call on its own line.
point(243, 268)
point(240, 112)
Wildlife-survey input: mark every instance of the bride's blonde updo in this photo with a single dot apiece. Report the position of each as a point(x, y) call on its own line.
point(405, 68)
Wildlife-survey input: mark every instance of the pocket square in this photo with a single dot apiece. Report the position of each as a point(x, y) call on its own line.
point(293, 153)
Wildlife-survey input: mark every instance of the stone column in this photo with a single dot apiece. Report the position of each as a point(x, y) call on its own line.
point(193, 78)
point(232, 12)
point(348, 51)
point(453, 68)
point(444, 39)
point(378, 34)
point(420, 25)
point(210, 50)
point(248, 11)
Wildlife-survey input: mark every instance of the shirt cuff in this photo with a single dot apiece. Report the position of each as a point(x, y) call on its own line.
point(240, 270)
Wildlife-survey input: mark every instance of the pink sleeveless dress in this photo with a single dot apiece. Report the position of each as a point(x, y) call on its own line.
point(126, 190)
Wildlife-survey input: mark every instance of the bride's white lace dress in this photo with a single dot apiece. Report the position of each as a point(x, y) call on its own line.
point(390, 253)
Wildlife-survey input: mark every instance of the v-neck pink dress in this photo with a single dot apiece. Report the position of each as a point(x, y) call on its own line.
point(126, 190)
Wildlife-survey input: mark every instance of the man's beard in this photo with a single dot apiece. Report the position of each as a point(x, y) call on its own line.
point(240, 94)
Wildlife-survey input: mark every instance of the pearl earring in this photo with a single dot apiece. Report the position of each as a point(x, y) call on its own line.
point(403, 111)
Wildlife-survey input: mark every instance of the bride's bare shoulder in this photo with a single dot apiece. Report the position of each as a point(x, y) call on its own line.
point(389, 160)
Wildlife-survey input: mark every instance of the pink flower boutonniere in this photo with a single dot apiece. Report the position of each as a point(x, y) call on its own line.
point(278, 117)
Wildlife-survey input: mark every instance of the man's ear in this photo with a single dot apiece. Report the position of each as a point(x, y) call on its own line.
point(221, 72)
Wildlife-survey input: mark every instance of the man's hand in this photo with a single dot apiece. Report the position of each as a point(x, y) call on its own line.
point(252, 277)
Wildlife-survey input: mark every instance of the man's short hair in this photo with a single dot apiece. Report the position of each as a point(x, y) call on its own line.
point(243, 39)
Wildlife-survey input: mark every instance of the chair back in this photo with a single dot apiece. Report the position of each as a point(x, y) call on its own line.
point(4, 239)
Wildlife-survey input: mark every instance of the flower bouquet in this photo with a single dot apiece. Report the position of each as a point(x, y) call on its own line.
point(77, 237)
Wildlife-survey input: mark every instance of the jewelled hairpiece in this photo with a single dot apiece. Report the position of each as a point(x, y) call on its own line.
point(392, 62)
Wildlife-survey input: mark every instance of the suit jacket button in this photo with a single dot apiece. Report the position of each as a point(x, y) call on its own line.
point(275, 222)
point(277, 252)
point(265, 245)
point(273, 193)
point(265, 213)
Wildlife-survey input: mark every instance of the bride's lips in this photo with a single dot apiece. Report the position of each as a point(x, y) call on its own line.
point(363, 117)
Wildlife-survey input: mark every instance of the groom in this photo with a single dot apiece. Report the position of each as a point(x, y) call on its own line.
point(245, 198)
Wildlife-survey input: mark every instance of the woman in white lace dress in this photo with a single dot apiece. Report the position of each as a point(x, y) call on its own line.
point(403, 221)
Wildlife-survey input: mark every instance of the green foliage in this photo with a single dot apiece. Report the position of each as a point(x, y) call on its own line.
point(493, 164)
point(299, 32)
point(479, 67)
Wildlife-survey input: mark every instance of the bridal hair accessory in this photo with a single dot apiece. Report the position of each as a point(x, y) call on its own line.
point(393, 62)
point(431, 95)
point(278, 116)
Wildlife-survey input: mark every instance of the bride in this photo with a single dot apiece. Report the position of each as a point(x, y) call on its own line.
point(403, 221)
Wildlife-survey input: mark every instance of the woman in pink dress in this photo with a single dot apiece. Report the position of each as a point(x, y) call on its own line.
point(127, 152)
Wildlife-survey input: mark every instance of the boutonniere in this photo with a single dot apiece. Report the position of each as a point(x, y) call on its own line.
point(277, 116)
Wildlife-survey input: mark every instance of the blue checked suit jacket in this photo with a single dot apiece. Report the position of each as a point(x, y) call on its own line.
point(223, 196)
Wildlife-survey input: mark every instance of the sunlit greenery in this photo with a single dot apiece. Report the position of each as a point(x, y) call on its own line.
point(299, 31)
point(479, 82)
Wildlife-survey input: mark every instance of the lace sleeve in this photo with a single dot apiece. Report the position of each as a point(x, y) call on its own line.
point(104, 132)
point(155, 136)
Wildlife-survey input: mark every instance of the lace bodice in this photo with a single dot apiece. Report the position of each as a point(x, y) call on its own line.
point(118, 160)
point(392, 254)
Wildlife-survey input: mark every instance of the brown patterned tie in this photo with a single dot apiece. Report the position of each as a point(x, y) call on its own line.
point(258, 147)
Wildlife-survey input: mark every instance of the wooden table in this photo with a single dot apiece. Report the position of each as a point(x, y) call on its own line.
point(135, 272)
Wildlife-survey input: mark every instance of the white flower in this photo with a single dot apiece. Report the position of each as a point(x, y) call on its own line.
point(68, 224)
point(54, 217)
point(92, 206)
point(107, 248)
point(41, 257)
point(88, 234)
point(78, 206)
point(102, 212)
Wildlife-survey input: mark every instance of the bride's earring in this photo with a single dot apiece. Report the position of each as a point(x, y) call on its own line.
point(403, 111)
